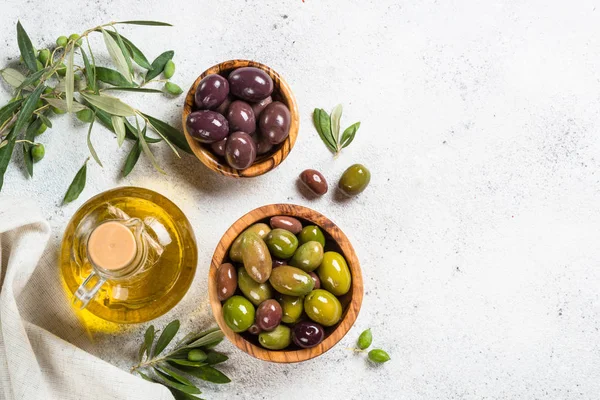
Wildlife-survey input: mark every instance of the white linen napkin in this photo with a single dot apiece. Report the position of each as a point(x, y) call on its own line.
point(36, 364)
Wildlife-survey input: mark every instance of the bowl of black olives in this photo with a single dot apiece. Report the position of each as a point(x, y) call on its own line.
point(285, 284)
point(240, 118)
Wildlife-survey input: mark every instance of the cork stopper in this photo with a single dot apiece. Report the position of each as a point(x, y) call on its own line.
point(111, 246)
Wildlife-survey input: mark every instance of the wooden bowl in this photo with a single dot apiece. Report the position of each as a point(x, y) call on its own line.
point(264, 163)
point(336, 240)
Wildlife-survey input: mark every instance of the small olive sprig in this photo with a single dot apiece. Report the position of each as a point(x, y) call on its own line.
point(376, 355)
point(328, 128)
point(192, 357)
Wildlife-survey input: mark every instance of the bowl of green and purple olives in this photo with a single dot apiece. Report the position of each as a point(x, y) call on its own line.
point(285, 284)
point(240, 118)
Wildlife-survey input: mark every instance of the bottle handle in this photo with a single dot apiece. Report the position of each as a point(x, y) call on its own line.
point(87, 290)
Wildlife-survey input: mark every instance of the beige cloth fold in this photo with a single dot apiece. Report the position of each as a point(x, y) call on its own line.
point(37, 362)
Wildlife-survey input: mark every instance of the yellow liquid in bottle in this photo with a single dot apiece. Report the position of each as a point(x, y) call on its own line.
point(157, 287)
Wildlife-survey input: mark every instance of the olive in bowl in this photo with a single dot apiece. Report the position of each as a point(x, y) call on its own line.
point(251, 98)
point(296, 314)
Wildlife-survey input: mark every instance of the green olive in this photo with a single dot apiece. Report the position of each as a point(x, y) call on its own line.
point(169, 70)
point(256, 257)
point(76, 38)
point(277, 339)
point(57, 110)
point(44, 56)
point(85, 115)
point(37, 152)
point(196, 355)
point(282, 243)
point(173, 89)
point(291, 307)
point(323, 307)
point(62, 69)
point(310, 233)
point(354, 180)
point(334, 274)
point(238, 313)
point(235, 253)
point(41, 129)
point(39, 65)
point(62, 41)
point(291, 281)
point(308, 256)
point(254, 291)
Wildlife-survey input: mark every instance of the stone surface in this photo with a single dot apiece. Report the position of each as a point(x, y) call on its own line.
point(478, 235)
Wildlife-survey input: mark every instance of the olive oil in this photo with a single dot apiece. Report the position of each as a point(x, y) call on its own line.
point(161, 282)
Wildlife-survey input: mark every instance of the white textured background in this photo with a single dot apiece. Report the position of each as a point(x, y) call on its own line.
point(479, 234)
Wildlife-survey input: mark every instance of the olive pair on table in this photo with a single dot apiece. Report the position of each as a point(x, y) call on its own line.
point(284, 284)
point(353, 181)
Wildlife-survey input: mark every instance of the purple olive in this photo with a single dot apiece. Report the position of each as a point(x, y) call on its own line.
point(307, 334)
point(274, 122)
point(240, 151)
point(315, 278)
point(250, 84)
point(262, 145)
point(268, 315)
point(207, 126)
point(211, 92)
point(261, 105)
point(219, 147)
point(241, 117)
point(222, 109)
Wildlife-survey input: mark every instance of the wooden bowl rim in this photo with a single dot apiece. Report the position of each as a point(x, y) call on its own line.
point(350, 313)
point(265, 164)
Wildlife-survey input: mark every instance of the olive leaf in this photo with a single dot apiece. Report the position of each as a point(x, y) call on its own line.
point(27, 110)
point(165, 139)
point(119, 126)
point(214, 358)
point(165, 337)
point(132, 158)
point(187, 363)
point(45, 120)
point(136, 54)
point(183, 396)
point(117, 55)
point(7, 111)
point(62, 104)
point(349, 133)
point(132, 133)
point(70, 81)
point(111, 105)
point(124, 50)
point(336, 115)
point(90, 145)
point(111, 77)
point(90, 70)
point(324, 135)
point(148, 341)
point(30, 79)
point(192, 337)
point(173, 374)
point(6, 152)
point(167, 131)
point(165, 380)
point(146, 377)
point(148, 153)
point(77, 185)
point(151, 23)
point(207, 339)
point(26, 48)
point(158, 65)
point(207, 373)
point(13, 77)
point(132, 89)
